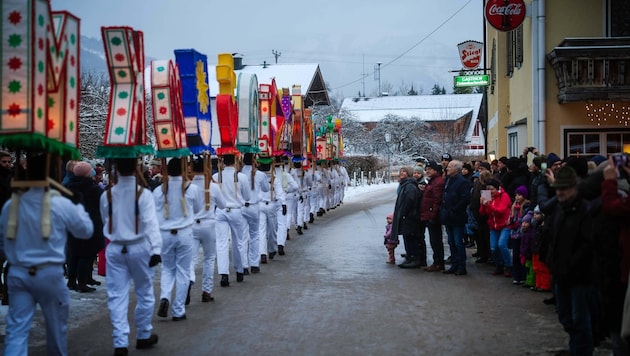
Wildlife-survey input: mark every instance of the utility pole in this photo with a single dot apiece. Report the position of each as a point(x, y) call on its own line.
point(363, 75)
point(276, 54)
point(377, 76)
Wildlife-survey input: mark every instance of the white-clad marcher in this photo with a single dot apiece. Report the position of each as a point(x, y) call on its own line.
point(298, 214)
point(345, 182)
point(305, 204)
point(269, 203)
point(316, 187)
point(289, 186)
point(292, 200)
point(177, 201)
point(33, 240)
point(131, 225)
point(257, 183)
point(235, 191)
point(204, 234)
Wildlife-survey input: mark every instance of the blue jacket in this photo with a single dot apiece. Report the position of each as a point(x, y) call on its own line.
point(455, 199)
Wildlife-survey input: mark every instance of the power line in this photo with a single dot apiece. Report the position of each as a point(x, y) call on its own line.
point(412, 47)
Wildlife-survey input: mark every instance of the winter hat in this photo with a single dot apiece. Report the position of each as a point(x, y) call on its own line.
point(485, 165)
point(407, 169)
point(551, 159)
point(522, 190)
point(528, 217)
point(495, 183)
point(537, 209)
point(82, 169)
point(468, 167)
point(565, 178)
point(447, 157)
point(598, 159)
point(433, 164)
point(390, 216)
point(419, 169)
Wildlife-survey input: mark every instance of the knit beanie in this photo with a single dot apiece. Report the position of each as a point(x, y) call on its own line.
point(551, 159)
point(522, 190)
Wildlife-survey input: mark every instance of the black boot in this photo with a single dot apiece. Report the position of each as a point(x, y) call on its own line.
point(188, 295)
point(305, 227)
point(225, 280)
point(299, 230)
point(311, 218)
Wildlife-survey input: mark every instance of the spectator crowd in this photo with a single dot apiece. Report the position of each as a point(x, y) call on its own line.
point(550, 225)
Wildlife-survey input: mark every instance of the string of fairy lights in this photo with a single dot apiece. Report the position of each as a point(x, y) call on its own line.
point(602, 113)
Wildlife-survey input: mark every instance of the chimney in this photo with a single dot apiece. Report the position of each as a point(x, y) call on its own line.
point(238, 61)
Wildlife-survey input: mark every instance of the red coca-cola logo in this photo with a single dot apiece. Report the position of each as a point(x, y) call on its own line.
point(505, 15)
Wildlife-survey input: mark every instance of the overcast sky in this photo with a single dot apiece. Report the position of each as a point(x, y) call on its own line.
point(415, 40)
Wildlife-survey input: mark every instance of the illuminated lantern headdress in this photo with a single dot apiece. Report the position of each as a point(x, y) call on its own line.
point(40, 78)
point(193, 71)
point(227, 110)
point(168, 115)
point(248, 113)
point(125, 129)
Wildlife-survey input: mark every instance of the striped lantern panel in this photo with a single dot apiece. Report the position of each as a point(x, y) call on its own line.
point(193, 71)
point(297, 136)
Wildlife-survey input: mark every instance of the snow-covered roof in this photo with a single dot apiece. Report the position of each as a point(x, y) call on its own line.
point(422, 107)
point(286, 75)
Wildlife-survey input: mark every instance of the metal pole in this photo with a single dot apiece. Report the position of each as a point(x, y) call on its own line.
point(388, 138)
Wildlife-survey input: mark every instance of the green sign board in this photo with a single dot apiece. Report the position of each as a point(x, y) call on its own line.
point(471, 80)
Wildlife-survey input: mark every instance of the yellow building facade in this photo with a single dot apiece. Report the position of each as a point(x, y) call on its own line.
point(561, 81)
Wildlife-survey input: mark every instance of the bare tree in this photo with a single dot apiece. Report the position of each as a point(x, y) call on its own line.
point(93, 111)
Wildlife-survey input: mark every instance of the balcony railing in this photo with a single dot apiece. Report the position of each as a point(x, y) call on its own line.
point(592, 69)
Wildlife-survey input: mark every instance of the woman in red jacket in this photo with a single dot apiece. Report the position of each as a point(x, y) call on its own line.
point(498, 209)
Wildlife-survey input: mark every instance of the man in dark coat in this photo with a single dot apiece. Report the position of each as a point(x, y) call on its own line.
point(407, 218)
point(453, 215)
point(430, 213)
point(570, 257)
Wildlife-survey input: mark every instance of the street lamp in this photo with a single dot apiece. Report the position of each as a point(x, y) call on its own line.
point(388, 139)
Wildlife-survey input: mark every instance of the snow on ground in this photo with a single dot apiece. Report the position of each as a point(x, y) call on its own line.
point(86, 306)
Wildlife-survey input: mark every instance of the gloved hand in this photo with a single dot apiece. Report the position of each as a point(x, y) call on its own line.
point(329, 186)
point(284, 209)
point(301, 199)
point(155, 259)
point(523, 260)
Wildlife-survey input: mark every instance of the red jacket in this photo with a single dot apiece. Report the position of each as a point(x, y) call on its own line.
point(619, 208)
point(498, 210)
point(432, 199)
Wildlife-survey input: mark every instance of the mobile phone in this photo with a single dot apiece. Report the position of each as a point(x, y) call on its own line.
point(543, 166)
point(620, 161)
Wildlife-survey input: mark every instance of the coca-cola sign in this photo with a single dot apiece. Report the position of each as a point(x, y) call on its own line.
point(505, 15)
point(470, 54)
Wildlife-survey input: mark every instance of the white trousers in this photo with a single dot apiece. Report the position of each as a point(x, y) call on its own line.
point(175, 270)
point(231, 222)
point(204, 236)
point(281, 231)
point(268, 227)
point(122, 268)
point(292, 204)
point(251, 214)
